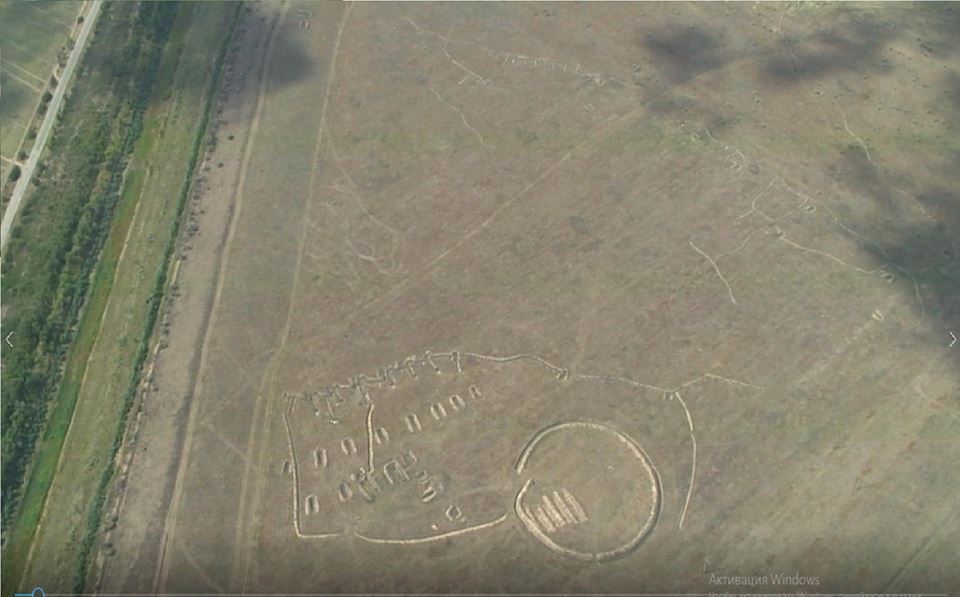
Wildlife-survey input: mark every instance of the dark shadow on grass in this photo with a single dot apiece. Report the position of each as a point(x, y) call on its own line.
point(292, 61)
point(682, 52)
point(943, 26)
point(951, 92)
point(854, 44)
point(930, 254)
point(915, 219)
point(863, 176)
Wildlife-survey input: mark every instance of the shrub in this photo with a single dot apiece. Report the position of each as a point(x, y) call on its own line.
point(92, 158)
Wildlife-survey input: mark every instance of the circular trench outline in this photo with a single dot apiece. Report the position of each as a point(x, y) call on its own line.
point(635, 449)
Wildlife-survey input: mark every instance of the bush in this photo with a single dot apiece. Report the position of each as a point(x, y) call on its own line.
point(47, 96)
point(14, 173)
point(75, 211)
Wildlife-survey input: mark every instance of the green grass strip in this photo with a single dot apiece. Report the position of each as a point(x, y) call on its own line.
point(95, 514)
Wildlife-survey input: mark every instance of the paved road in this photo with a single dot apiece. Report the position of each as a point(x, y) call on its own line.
point(20, 189)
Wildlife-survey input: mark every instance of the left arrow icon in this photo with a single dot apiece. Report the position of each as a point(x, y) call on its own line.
point(7, 339)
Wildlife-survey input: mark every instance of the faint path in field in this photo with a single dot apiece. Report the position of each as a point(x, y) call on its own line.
point(83, 381)
point(716, 268)
point(162, 570)
point(245, 545)
point(672, 394)
point(36, 87)
point(459, 111)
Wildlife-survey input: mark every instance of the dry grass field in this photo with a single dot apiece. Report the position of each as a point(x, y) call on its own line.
point(563, 298)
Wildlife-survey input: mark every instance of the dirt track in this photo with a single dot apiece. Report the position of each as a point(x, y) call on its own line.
point(159, 431)
point(703, 215)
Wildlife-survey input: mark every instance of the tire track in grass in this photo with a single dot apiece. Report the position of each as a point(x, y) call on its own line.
point(162, 571)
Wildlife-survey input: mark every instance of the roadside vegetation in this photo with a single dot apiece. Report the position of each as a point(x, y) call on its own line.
point(194, 132)
point(145, 186)
point(35, 38)
point(55, 247)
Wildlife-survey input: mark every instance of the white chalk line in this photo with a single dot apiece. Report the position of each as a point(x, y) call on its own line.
point(397, 239)
point(830, 256)
point(716, 268)
point(671, 394)
point(295, 467)
point(738, 166)
point(427, 358)
point(370, 438)
point(535, 530)
point(453, 60)
point(431, 538)
point(753, 204)
point(463, 117)
point(805, 199)
point(513, 58)
point(693, 465)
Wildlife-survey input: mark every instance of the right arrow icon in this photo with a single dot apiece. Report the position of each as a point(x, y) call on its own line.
point(954, 340)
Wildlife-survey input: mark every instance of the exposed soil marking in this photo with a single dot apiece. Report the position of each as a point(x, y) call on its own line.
point(439, 537)
point(554, 517)
point(413, 423)
point(834, 258)
point(542, 518)
point(753, 204)
point(245, 545)
point(29, 84)
point(737, 165)
point(296, 489)
point(716, 268)
point(39, 80)
point(370, 438)
point(459, 111)
point(600, 133)
point(320, 458)
point(188, 557)
point(563, 508)
point(453, 60)
point(575, 506)
point(396, 237)
point(693, 465)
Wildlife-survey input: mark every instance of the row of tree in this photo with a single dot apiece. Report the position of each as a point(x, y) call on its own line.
point(53, 251)
point(96, 511)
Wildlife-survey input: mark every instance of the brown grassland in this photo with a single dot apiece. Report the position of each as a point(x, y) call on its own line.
point(720, 239)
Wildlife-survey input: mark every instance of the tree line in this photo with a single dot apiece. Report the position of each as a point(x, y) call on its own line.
point(53, 252)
